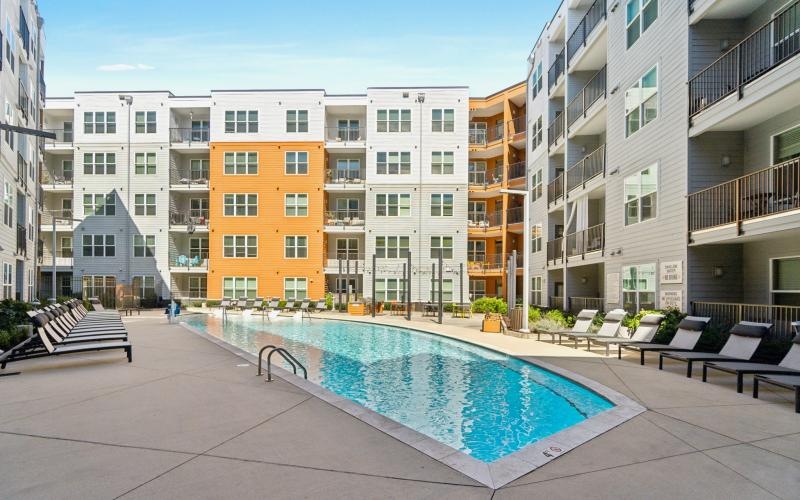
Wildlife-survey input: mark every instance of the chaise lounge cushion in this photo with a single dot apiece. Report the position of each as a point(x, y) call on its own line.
point(757, 331)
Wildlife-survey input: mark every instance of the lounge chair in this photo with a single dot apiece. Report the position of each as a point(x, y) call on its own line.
point(645, 332)
point(583, 322)
point(689, 330)
point(321, 305)
point(304, 308)
point(789, 365)
point(225, 303)
point(609, 329)
point(791, 382)
point(59, 325)
point(258, 304)
point(243, 303)
point(742, 343)
point(273, 303)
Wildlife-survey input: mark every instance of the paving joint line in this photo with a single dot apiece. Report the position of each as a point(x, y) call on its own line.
point(741, 475)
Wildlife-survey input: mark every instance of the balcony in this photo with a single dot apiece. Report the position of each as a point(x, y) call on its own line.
point(555, 252)
point(188, 264)
point(56, 180)
point(591, 166)
point(725, 315)
point(64, 259)
point(22, 240)
point(485, 221)
point(63, 140)
point(581, 38)
point(581, 104)
point(189, 138)
point(517, 170)
point(515, 215)
point(24, 102)
point(485, 178)
point(555, 190)
point(586, 241)
point(737, 72)
point(346, 137)
point(353, 262)
point(480, 264)
point(338, 179)
point(577, 304)
point(757, 203)
point(555, 74)
point(484, 137)
point(555, 131)
point(516, 129)
point(62, 219)
point(344, 221)
point(188, 222)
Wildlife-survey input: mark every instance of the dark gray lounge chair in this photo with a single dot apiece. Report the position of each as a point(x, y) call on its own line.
point(583, 322)
point(321, 305)
point(609, 329)
point(791, 382)
point(689, 330)
point(645, 332)
point(742, 343)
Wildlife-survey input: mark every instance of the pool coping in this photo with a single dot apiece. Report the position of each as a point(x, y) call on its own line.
point(492, 474)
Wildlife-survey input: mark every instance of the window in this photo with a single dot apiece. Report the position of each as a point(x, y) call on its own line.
point(441, 205)
point(536, 290)
point(145, 164)
point(296, 205)
point(240, 204)
point(8, 284)
point(347, 248)
point(295, 288)
point(241, 122)
point(443, 120)
point(198, 169)
point(390, 289)
point(392, 205)
point(641, 102)
point(103, 287)
point(442, 245)
point(145, 286)
point(241, 163)
point(145, 122)
point(442, 162)
point(30, 285)
point(476, 250)
point(296, 163)
point(639, 287)
point(640, 14)
point(477, 172)
point(240, 246)
point(11, 44)
point(240, 287)
point(347, 170)
point(536, 238)
point(99, 163)
point(198, 248)
point(66, 168)
point(536, 134)
point(295, 247)
point(391, 247)
point(348, 130)
point(347, 208)
point(100, 122)
point(144, 245)
point(296, 120)
point(536, 81)
point(198, 286)
point(393, 163)
point(477, 289)
point(536, 182)
point(343, 285)
point(8, 204)
point(200, 131)
point(198, 208)
point(394, 120)
point(98, 245)
point(786, 146)
point(99, 204)
point(65, 247)
point(785, 281)
point(68, 132)
point(144, 204)
point(447, 290)
point(641, 196)
point(66, 208)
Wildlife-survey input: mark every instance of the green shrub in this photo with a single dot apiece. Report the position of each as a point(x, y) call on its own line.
point(490, 305)
point(281, 304)
point(534, 314)
point(557, 317)
point(10, 338)
point(329, 301)
point(448, 307)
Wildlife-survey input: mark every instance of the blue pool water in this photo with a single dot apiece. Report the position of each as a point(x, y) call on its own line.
point(480, 402)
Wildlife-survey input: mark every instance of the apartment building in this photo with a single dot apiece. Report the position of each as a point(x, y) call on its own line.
point(669, 145)
point(22, 43)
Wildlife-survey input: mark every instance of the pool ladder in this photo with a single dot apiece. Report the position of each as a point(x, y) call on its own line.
point(285, 355)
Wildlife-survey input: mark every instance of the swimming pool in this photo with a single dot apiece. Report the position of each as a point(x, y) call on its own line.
point(480, 402)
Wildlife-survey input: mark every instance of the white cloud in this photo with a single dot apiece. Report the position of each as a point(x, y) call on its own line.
point(125, 67)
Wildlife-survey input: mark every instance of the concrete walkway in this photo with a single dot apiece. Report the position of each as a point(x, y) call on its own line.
point(189, 419)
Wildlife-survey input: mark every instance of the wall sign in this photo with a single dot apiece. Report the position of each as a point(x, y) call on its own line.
point(672, 272)
point(671, 299)
point(612, 288)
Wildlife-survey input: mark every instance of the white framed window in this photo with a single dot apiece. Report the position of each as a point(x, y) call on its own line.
point(784, 281)
point(476, 250)
point(8, 204)
point(442, 162)
point(390, 289)
point(538, 185)
point(8, 283)
point(786, 145)
point(443, 120)
point(198, 208)
point(295, 204)
point(241, 163)
point(145, 286)
point(30, 285)
point(240, 246)
point(391, 247)
point(296, 120)
point(347, 248)
point(98, 285)
point(343, 285)
point(144, 204)
point(145, 122)
point(198, 286)
point(64, 247)
point(235, 204)
point(99, 163)
point(394, 120)
point(442, 245)
point(641, 102)
point(99, 204)
point(198, 248)
point(241, 122)
point(67, 170)
point(536, 80)
point(295, 288)
point(100, 122)
point(536, 290)
point(393, 163)
point(441, 205)
point(296, 163)
point(239, 286)
point(393, 204)
point(144, 245)
point(144, 164)
point(536, 238)
point(347, 169)
point(641, 196)
point(536, 133)
point(477, 289)
point(638, 287)
point(99, 245)
point(295, 247)
point(198, 169)
point(639, 15)
point(447, 291)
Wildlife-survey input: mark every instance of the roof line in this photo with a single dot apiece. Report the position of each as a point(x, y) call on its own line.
point(502, 90)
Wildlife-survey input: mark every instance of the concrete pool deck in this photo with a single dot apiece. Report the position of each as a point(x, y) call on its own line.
point(189, 419)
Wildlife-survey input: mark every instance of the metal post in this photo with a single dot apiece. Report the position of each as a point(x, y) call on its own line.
point(374, 271)
point(53, 250)
point(408, 286)
point(433, 279)
point(526, 265)
point(128, 207)
point(339, 280)
point(461, 283)
point(440, 287)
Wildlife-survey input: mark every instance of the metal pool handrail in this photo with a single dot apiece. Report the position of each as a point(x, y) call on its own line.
point(293, 362)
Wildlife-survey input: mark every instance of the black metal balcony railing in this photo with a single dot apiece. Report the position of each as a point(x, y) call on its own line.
point(496, 132)
point(517, 170)
point(189, 135)
point(516, 126)
point(56, 178)
point(769, 191)
point(555, 252)
point(766, 48)
point(477, 137)
point(481, 263)
point(61, 217)
point(725, 315)
point(344, 218)
point(555, 190)
point(577, 304)
point(593, 91)
point(595, 14)
point(346, 134)
point(588, 240)
point(484, 220)
point(189, 219)
point(515, 215)
point(555, 130)
point(556, 71)
point(556, 302)
point(62, 136)
point(22, 240)
point(486, 177)
point(24, 100)
point(196, 261)
point(345, 176)
point(589, 167)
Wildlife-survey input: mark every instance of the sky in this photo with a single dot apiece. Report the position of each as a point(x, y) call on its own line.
point(191, 47)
